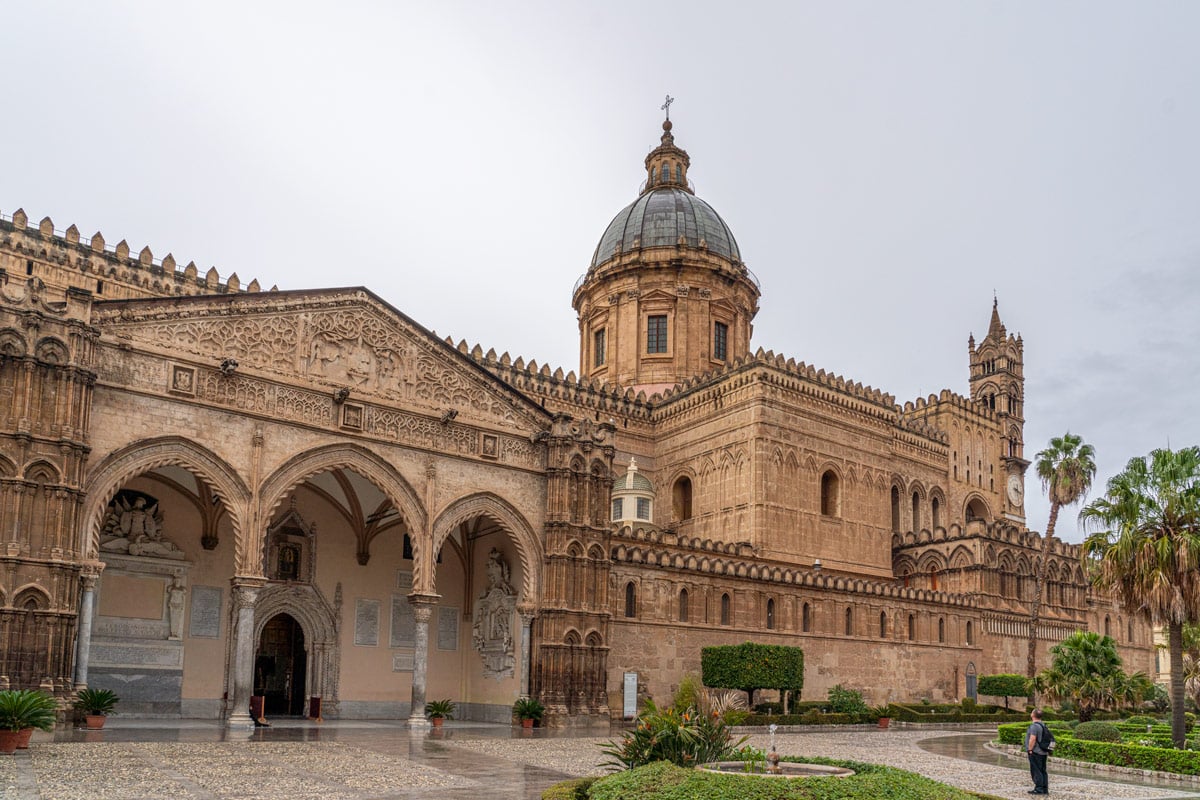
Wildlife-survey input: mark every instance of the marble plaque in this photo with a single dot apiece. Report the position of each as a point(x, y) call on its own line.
point(447, 632)
point(366, 622)
point(404, 627)
point(205, 619)
point(404, 580)
point(118, 654)
point(402, 662)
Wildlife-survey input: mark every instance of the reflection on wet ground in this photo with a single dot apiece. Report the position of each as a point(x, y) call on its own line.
point(973, 747)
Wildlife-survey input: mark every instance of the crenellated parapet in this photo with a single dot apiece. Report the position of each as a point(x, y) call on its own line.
point(664, 550)
point(65, 260)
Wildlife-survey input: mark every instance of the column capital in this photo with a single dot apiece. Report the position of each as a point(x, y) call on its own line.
point(245, 590)
point(527, 612)
point(423, 605)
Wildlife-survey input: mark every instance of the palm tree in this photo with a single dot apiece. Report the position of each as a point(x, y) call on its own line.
point(1145, 548)
point(1066, 469)
point(1085, 670)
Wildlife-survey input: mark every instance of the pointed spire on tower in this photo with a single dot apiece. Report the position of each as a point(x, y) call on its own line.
point(995, 327)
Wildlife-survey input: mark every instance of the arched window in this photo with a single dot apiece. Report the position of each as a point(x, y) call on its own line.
point(770, 614)
point(725, 609)
point(630, 600)
point(933, 583)
point(916, 511)
point(678, 173)
point(683, 605)
point(895, 510)
point(1107, 627)
point(681, 498)
point(849, 621)
point(941, 630)
point(882, 625)
point(912, 627)
point(970, 634)
point(1130, 638)
point(666, 172)
point(936, 507)
point(806, 618)
point(830, 502)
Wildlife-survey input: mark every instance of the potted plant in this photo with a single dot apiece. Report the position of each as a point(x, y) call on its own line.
point(22, 710)
point(439, 710)
point(96, 704)
point(883, 714)
point(529, 710)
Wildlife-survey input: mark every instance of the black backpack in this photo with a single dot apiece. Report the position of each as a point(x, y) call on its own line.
point(1045, 739)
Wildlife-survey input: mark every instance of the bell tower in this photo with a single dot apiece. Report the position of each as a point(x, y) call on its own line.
point(667, 296)
point(998, 383)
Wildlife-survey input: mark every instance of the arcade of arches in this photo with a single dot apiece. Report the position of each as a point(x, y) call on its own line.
point(210, 494)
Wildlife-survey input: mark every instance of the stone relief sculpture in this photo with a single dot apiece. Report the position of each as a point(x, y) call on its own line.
point(175, 601)
point(135, 527)
point(491, 633)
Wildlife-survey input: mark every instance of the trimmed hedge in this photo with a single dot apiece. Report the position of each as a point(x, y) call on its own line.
point(751, 666)
point(1134, 756)
point(1097, 732)
point(664, 781)
point(949, 713)
point(574, 789)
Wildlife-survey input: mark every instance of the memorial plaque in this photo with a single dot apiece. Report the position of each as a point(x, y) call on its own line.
point(366, 622)
point(404, 580)
point(404, 627)
point(205, 620)
point(447, 633)
point(402, 662)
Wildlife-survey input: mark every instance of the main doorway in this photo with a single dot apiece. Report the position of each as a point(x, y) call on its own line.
point(280, 667)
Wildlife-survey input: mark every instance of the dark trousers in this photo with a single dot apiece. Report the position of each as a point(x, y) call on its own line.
point(1037, 771)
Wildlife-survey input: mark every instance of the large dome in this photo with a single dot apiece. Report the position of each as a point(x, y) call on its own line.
point(659, 218)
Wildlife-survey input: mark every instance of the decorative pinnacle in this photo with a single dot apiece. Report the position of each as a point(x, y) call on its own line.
point(667, 106)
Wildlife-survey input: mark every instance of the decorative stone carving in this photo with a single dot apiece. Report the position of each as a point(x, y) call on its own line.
point(175, 602)
point(134, 526)
point(491, 634)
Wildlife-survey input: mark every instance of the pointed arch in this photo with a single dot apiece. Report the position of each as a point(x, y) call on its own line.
point(126, 463)
point(496, 508)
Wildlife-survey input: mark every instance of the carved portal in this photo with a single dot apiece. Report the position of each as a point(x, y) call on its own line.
point(134, 525)
point(492, 634)
point(319, 623)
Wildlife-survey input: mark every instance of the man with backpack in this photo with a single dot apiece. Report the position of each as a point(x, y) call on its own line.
point(1037, 744)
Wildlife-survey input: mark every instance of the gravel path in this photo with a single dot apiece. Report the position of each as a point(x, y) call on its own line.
point(896, 748)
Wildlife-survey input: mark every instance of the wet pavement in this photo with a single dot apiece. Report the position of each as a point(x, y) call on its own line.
point(136, 759)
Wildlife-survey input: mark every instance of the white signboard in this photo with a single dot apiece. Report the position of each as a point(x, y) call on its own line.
point(630, 695)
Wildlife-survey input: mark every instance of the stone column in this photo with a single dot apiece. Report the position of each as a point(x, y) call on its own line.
point(83, 642)
point(244, 594)
point(526, 648)
point(422, 610)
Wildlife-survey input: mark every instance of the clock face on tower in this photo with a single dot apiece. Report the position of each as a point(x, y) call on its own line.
point(1016, 490)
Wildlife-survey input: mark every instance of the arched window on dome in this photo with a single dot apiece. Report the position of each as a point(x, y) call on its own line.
point(678, 173)
point(666, 173)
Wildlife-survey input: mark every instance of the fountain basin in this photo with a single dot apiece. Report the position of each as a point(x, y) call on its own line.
point(788, 769)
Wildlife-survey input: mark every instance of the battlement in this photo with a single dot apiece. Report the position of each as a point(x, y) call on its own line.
point(543, 382)
point(60, 258)
point(949, 398)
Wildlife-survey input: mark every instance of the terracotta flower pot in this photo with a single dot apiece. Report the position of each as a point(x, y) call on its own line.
point(23, 737)
point(526, 723)
point(95, 721)
point(436, 721)
point(884, 722)
point(8, 740)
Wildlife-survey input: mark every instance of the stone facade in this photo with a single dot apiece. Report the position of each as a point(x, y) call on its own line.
point(220, 493)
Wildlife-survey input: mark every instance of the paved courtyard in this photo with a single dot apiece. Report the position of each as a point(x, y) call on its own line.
point(188, 760)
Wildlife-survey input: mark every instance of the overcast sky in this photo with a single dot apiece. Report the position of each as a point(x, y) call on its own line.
point(885, 166)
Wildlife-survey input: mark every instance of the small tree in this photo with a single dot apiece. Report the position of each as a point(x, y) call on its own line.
point(1004, 685)
point(753, 666)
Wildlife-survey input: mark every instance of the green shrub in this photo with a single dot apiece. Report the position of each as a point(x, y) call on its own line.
point(846, 701)
point(751, 666)
point(1098, 732)
point(685, 738)
point(969, 705)
point(1142, 720)
point(688, 695)
point(574, 789)
point(667, 782)
point(1183, 762)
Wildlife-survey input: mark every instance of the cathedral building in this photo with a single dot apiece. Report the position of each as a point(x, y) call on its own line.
point(214, 498)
